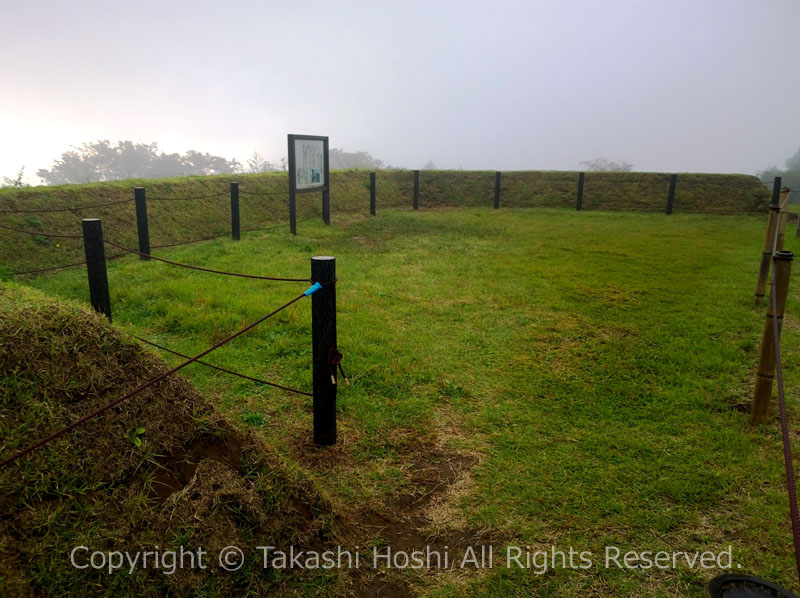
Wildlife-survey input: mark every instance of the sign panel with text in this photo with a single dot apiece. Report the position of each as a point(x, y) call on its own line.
point(308, 172)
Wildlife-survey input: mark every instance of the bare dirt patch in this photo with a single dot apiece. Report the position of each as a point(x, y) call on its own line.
point(177, 470)
point(404, 525)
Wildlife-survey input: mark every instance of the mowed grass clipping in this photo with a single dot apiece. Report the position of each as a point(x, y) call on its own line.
point(597, 364)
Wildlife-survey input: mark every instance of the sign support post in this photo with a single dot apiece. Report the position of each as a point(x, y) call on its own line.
point(308, 173)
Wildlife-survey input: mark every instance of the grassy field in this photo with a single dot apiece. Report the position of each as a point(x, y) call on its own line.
point(536, 378)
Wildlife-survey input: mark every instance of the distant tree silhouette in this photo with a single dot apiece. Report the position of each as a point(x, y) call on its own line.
point(341, 159)
point(790, 175)
point(104, 161)
point(256, 163)
point(17, 181)
point(603, 164)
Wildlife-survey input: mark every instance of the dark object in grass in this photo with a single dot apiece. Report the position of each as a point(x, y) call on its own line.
point(744, 586)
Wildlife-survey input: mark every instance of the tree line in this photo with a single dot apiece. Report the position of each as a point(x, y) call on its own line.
point(790, 175)
point(103, 160)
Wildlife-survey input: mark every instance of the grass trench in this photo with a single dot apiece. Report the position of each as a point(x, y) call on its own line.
point(595, 365)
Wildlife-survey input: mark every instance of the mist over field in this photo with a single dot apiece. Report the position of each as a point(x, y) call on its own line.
point(663, 86)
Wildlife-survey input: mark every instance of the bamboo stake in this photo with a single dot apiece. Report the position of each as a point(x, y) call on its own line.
point(783, 217)
point(766, 362)
point(766, 255)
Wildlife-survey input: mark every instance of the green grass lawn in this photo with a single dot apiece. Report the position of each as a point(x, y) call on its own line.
point(596, 365)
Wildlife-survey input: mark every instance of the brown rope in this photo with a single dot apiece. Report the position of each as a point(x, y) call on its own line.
point(221, 369)
point(787, 449)
point(252, 230)
point(158, 259)
point(186, 198)
point(179, 243)
point(28, 232)
point(264, 192)
point(110, 257)
point(76, 208)
point(143, 386)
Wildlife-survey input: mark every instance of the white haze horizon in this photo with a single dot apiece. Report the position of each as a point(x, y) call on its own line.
point(668, 86)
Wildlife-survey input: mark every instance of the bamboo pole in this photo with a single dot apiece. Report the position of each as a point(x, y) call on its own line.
point(766, 362)
point(766, 254)
point(783, 217)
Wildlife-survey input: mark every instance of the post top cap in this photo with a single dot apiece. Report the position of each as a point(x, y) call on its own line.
point(323, 257)
point(783, 254)
point(90, 220)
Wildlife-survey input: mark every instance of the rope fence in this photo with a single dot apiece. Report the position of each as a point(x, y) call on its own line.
point(51, 268)
point(72, 209)
point(198, 197)
point(589, 191)
point(200, 268)
point(326, 356)
point(145, 385)
point(264, 193)
point(221, 369)
point(41, 234)
point(776, 265)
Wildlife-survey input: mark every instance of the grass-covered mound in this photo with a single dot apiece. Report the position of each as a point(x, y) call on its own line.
point(162, 469)
point(190, 208)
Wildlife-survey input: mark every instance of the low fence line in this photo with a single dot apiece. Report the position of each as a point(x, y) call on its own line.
point(221, 369)
point(148, 383)
point(191, 267)
point(277, 226)
point(29, 232)
point(75, 209)
point(179, 243)
point(787, 448)
point(221, 194)
point(264, 192)
point(416, 186)
point(83, 263)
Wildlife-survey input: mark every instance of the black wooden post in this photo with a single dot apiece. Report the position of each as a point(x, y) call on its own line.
point(326, 192)
point(776, 191)
point(323, 340)
point(579, 199)
point(673, 179)
point(497, 189)
point(372, 193)
point(326, 206)
point(96, 266)
point(416, 189)
point(235, 226)
point(141, 222)
point(292, 190)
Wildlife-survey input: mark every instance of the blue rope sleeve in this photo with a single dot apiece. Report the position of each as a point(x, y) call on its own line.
point(313, 289)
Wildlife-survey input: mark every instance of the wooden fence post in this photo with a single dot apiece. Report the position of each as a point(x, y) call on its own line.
point(416, 189)
point(673, 179)
point(766, 254)
point(141, 222)
point(235, 225)
point(497, 176)
point(372, 193)
point(782, 217)
point(326, 206)
point(766, 362)
point(776, 191)
point(95, 252)
point(579, 200)
point(292, 190)
point(323, 340)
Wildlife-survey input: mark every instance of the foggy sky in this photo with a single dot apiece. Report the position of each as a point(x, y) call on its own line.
point(673, 85)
